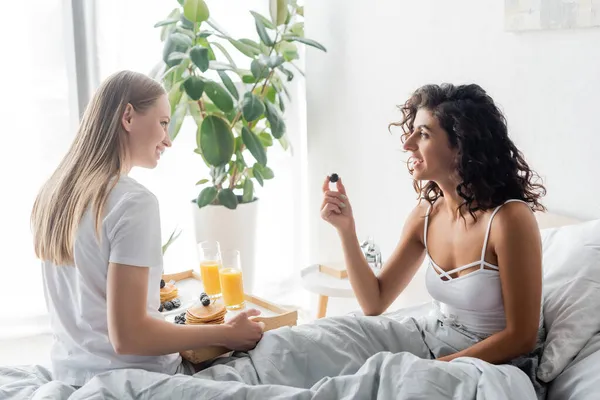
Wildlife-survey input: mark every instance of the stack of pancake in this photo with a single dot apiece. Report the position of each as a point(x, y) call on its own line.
point(168, 293)
point(213, 314)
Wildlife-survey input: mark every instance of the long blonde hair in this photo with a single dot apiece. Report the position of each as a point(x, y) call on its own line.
point(86, 174)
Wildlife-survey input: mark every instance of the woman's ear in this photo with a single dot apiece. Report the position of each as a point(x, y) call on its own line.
point(126, 120)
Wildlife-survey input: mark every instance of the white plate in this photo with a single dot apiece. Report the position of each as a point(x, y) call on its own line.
point(189, 292)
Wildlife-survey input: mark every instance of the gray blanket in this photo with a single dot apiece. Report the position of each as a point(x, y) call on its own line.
point(350, 357)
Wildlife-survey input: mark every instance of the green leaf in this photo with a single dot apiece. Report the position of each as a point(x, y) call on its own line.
point(194, 111)
point(259, 70)
point(244, 48)
point(300, 11)
point(202, 42)
point(220, 66)
point(288, 50)
point(204, 34)
point(260, 28)
point(186, 32)
point(176, 42)
point(202, 182)
point(166, 22)
point(194, 87)
point(196, 10)
point(225, 53)
point(175, 96)
point(297, 29)
point(248, 79)
point(275, 61)
point(219, 96)
point(182, 39)
point(238, 145)
point(229, 84)
point(176, 56)
point(266, 172)
point(252, 43)
point(186, 23)
point(257, 175)
point(265, 21)
point(279, 11)
point(283, 141)
point(206, 196)
point(199, 56)
point(172, 239)
point(306, 41)
point(248, 195)
point(254, 145)
point(281, 102)
point(265, 139)
point(166, 30)
point(275, 120)
point(228, 199)
point(180, 70)
point(271, 94)
point(289, 74)
point(181, 1)
point(216, 140)
point(252, 107)
point(231, 115)
point(177, 118)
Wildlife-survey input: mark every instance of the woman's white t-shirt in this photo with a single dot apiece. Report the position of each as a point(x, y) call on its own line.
point(76, 295)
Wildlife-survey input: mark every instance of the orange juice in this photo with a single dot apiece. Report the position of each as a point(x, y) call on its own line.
point(209, 270)
point(232, 287)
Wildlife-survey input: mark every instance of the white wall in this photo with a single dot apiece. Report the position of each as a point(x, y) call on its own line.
point(546, 82)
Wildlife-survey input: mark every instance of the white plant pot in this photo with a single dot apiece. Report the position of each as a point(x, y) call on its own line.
point(233, 229)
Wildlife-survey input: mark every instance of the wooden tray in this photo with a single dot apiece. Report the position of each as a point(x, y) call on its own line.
point(190, 286)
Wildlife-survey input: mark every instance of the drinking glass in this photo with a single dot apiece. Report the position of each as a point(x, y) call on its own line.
point(232, 282)
point(209, 253)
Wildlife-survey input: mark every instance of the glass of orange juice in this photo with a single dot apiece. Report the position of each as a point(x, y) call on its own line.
point(209, 253)
point(232, 283)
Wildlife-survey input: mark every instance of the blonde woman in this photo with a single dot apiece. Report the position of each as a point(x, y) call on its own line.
point(97, 232)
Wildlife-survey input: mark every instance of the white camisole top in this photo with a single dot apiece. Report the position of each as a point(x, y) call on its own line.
point(472, 301)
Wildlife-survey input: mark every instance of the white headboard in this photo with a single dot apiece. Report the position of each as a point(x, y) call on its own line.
point(551, 220)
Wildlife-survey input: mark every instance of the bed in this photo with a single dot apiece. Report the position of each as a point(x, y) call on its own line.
point(570, 368)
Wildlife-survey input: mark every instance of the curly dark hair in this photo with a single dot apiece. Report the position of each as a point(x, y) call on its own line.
point(491, 168)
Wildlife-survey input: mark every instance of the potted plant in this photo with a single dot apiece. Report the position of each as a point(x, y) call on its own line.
point(238, 112)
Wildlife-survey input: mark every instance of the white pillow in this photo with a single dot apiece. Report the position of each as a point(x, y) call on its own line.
point(571, 264)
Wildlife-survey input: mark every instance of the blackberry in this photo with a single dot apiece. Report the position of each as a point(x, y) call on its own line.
point(176, 303)
point(334, 178)
point(161, 308)
point(162, 283)
point(182, 315)
point(168, 305)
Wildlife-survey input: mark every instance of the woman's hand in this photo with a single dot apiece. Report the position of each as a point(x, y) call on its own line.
point(336, 208)
point(243, 333)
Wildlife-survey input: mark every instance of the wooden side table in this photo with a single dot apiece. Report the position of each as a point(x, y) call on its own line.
point(325, 286)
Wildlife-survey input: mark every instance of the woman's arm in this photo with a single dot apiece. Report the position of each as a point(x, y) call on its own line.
point(375, 293)
point(516, 241)
point(132, 331)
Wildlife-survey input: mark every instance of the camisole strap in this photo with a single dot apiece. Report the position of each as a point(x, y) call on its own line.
point(487, 234)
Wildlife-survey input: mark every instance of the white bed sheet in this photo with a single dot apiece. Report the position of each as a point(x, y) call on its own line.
point(580, 380)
